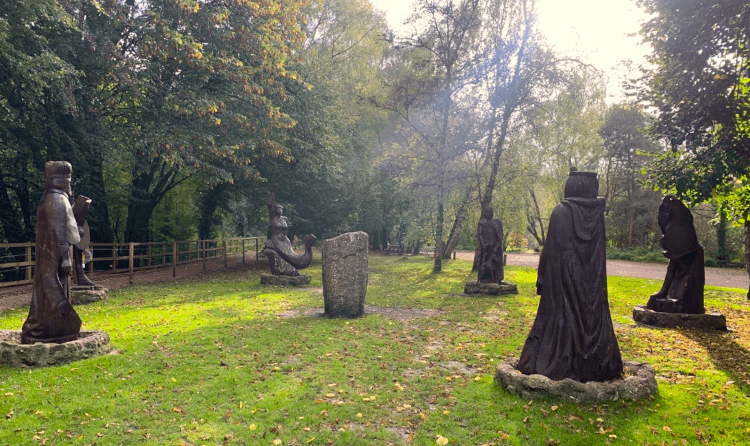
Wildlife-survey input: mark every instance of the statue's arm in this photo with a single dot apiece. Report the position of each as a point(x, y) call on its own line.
point(270, 202)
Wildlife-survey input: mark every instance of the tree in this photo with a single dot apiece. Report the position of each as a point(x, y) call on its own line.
point(200, 92)
point(698, 85)
point(628, 202)
point(440, 51)
point(48, 110)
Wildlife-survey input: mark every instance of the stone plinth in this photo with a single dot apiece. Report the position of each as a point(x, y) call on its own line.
point(14, 354)
point(345, 274)
point(704, 321)
point(81, 295)
point(490, 289)
point(638, 381)
point(270, 279)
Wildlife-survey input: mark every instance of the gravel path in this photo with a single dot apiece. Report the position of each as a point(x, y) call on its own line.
point(724, 277)
point(19, 296)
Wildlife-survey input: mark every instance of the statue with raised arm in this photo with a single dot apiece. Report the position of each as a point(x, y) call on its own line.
point(82, 255)
point(490, 236)
point(282, 260)
point(51, 316)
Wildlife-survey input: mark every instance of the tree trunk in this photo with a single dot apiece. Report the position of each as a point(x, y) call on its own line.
point(747, 251)
point(9, 222)
point(630, 228)
point(439, 238)
point(417, 247)
point(457, 225)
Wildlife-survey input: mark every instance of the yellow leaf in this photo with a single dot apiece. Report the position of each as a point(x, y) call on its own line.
point(174, 380)
point(441, 440)
point(253, 427)
point(359, 415)
point(277, 442)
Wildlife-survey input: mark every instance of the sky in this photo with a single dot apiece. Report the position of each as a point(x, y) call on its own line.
point(596, 31)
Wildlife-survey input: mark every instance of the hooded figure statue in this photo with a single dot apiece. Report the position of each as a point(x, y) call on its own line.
point(572, 336)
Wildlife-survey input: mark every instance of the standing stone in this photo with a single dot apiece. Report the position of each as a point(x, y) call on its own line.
point(345, 274)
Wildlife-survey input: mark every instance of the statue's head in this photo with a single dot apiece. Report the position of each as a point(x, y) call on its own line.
point(673, 210)
point(278, 209)
point(488, 213)
point(581, 184)
point(57, 175)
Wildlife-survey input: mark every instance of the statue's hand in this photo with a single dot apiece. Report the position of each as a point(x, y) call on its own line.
point(66, 265)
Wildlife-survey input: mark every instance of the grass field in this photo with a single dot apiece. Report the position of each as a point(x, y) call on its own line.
point(220, 360)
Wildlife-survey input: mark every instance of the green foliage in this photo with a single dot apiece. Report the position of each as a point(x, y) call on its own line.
point(221, 359)
point(698, 87)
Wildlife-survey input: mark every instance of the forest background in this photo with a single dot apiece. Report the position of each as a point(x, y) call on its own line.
point(179, 115)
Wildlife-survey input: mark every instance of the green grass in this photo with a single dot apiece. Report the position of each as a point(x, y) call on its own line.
point(218, 360)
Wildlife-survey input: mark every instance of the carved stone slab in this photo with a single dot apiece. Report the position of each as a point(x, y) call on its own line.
point(638, 381)
point(704, 321)
point(345, 274)
point(490, 289)
point(14, 354)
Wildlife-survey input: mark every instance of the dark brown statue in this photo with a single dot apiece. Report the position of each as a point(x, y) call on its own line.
point(572, 336)
point(682, 291)
point(490, 236)
point(81, 254)
point(281, 258)
point(51, 316)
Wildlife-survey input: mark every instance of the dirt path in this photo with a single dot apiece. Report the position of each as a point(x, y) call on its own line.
point(725, 277)
point(20, 296)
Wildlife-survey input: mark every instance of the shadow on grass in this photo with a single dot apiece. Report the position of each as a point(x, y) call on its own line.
point(726, 355)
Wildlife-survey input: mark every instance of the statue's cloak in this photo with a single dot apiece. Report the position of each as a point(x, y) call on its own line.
point(51, 316)
point(572, 336)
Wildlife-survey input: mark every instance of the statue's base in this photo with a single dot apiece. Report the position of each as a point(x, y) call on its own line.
point(704, 321)
point(81, 295)
point(88, 344)
point(490, 289)
point(638, 381)
point(270, 279)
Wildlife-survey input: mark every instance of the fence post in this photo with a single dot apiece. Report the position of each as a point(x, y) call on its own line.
point(148, 257)
point(114, 256)
point(174, 258)
point(91, 262)
point(243, 251)
point(131, 251)
point(28, 259)
point(203, 247)
point(224, 245)
point(256, 249)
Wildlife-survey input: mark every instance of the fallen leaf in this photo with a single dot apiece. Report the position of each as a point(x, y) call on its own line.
point(441, 440)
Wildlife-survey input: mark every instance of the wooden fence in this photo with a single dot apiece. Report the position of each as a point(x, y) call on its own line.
point(132, 257)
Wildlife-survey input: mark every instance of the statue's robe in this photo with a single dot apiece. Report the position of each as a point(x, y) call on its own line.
point(51, 316)
point(572, 336)
point(491, 269)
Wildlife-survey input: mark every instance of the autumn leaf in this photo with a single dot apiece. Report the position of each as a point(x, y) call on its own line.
point(441, 440)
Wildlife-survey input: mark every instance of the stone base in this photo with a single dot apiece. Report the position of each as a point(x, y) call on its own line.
point(705, 321)
point(81, 295)
point(14, 354)
point(638, 382)
point(490, 289)
point(270, 279)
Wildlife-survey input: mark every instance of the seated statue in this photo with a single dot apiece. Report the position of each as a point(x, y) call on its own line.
point(490, 236)
point(51, 316)
point(572, 335)
point(682, 291)
point(281, 258)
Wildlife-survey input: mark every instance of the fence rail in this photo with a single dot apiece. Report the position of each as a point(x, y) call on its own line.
point(130, 257)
